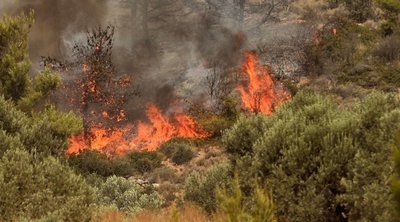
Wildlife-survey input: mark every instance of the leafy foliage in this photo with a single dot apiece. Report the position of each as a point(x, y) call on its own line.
point(178, 152)
point(126, 195)
point(34, 184)
point(14, 59)
point(248, 130)
point(44, 133)
point(145, 161)
point(231, 204)
point(183, 155)
point(396, 180)
point(200, 187)
point(15, 83)
point(392, 6)
point(34, 189)
point(91, 161)
point(88, 162)
point(324, 163)
point(389, 49)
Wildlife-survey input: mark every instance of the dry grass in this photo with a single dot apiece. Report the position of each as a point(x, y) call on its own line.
point(188, 213)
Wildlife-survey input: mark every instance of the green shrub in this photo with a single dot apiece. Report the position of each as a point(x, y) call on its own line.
point(392, 6)
point(45, 133)
point(396, 179)
point(200, 187)
point(144, 162)
point(34, 189)
point(35, 185)
point(169, 148)
point(14, 59)
point(240, 138)
point(94, 162)
point(215, 124)
point(324, 163)
point(182, 155)
point(127, 195)
point(232, 208)
point(90, 161)
point(178, 152)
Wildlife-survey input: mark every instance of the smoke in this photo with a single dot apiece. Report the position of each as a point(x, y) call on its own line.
point(56, 22)
point(166, 45)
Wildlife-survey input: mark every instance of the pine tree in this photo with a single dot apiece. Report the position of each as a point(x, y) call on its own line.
point(14, 59)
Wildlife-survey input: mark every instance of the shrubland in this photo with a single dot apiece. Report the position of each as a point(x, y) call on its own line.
point(316, 158)
point(322, 162)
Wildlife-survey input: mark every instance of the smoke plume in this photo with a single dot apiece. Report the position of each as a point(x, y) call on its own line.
point(168, 46)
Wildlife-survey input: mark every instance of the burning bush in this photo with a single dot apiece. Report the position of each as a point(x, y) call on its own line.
point(261, 95)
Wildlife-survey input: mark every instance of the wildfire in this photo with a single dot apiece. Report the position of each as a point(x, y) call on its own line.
point(114, 136)
point(261, 94)
point(148, 136)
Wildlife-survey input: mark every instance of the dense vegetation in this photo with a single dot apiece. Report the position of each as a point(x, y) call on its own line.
point(322, 162)
point(331, 153)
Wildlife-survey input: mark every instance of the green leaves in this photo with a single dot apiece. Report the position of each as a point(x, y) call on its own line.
point(15, 83)
point(393, 6)
point(46, 81)
point(232, 207)
point(396, 179)
point(200, 187)
point(323, 163)
point(33, 189)
point(44, 133)
point(14, 60)
point(127, 195)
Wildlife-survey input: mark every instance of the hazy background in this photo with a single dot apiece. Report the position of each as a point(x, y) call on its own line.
point(168, 46)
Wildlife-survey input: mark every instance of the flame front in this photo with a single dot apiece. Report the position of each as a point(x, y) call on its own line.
point(261, 94)
point(148, 136)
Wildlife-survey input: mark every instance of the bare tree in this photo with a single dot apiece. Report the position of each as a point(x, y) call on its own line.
point(101, 93)
point(213, 80)
point(267, 9)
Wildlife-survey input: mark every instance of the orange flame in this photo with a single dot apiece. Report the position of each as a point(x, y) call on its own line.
point(261, 93)
point(149, 136)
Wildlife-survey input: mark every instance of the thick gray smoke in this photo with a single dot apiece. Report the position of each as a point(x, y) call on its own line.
point(168, 46)
point(163, 44)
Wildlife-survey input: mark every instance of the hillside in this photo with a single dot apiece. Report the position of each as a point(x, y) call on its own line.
point(200, 110)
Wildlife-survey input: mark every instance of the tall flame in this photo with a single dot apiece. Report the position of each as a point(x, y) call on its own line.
point(261, 94)
point(148, 136)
